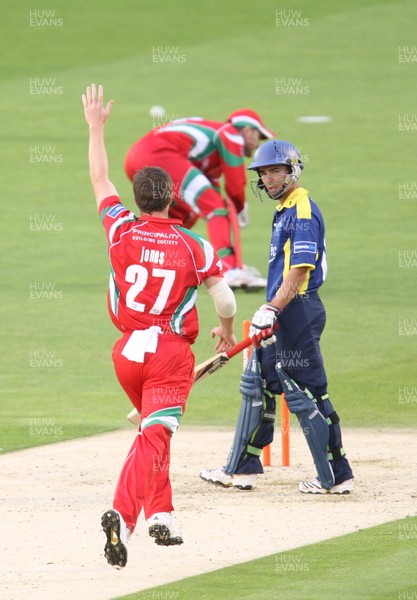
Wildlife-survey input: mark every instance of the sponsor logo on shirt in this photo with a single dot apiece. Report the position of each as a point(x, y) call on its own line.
point(116, 210)
point(310, 247)
point(272, 252)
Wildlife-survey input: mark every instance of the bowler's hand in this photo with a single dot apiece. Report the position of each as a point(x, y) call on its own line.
point(243, 216)
point(94, 110)
point(226, 339)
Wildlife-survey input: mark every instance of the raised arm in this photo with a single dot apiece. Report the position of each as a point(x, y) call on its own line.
point(96, 116)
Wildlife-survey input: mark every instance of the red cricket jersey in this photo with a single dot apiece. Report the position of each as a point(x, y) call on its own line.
point(156, 266)
point(214, 148)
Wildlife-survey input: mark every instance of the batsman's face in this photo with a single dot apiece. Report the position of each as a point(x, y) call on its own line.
point(273, 177)
point(252, 139)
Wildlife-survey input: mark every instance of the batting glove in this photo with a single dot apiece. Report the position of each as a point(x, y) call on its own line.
point(261, 331)
point(243, 216)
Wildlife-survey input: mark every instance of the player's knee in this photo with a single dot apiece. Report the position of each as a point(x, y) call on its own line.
point(217, 212)
point(211, 204)
point(163, 420)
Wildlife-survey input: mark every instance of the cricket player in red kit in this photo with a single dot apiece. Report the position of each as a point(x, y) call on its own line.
point(156, 267)
point(196, 152)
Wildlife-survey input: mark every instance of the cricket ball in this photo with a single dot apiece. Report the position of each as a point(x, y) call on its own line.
point(157, 112)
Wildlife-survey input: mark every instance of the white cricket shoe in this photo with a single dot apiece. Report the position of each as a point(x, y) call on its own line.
point(117, 534)
point(219, 477)
point(314, 487)
point(163, 528)
point(244, 279)
point(252, 270)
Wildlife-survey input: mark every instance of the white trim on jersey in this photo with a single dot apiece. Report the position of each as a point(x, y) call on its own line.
point(184, 119)
point(201, 139)
point(117, 224)
point(171, 422)
point(242, 120)
point(209, 254)
point(193, 189)
point(186, 308)
point(136, 224)
point(112, 294)
point(236, 139)
point(191, 253)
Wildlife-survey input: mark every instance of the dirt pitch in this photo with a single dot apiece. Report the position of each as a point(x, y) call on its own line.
point(53, 496)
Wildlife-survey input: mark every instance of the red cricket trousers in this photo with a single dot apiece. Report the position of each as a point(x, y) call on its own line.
point(158, 388)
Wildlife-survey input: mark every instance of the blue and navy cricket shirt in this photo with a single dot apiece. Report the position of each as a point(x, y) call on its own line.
point(297, 240)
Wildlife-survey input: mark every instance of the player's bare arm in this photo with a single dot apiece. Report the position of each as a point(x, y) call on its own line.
point(290, 287)
point(96, 115)
point(225, 303)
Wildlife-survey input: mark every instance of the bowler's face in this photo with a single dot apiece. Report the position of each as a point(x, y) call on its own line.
point(252, 139)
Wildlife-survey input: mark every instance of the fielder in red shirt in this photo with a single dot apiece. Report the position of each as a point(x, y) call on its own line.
point(156, 268)
point(196, 152)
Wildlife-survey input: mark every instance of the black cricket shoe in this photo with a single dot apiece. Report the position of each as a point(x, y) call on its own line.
point(163, 528)
point(115, 529)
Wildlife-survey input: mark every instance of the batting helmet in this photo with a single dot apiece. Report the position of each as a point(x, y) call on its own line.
point(276, 152)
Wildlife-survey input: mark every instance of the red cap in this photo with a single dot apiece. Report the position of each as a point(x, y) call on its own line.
point(246, 116)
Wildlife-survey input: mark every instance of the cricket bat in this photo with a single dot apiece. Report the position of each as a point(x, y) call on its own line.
point(204, 369)
point(213, 364)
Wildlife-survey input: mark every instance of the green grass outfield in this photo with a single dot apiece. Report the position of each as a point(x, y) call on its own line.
point(57, 378)
point(373, 564)
point(355, 62)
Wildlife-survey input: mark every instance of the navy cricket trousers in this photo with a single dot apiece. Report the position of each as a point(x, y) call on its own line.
point(301, 324)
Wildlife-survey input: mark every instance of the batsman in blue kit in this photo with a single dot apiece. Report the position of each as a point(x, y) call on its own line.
point(286, 332)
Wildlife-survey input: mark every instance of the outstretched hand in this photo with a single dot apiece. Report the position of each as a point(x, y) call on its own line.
point(94, 110)
point(226, 339)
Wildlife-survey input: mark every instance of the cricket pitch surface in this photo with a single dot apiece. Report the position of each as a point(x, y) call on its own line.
point(53, 496)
